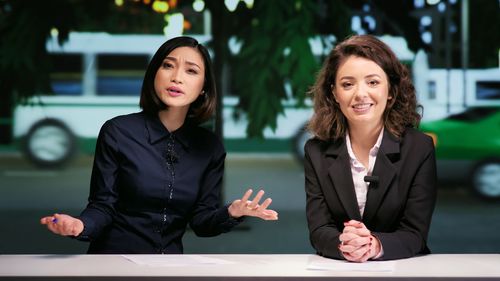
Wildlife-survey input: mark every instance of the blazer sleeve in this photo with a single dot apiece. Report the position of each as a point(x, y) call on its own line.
point(410, 237)
point(323, 232)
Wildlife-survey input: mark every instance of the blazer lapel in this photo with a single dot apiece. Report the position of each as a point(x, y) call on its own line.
point(385, 170)
point(340, 174)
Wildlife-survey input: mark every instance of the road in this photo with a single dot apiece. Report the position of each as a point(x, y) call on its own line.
point(461, 222)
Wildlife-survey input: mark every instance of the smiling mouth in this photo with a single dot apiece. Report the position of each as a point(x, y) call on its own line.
point(362, 106)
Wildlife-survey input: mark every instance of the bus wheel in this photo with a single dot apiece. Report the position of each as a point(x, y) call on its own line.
point(486, 179)
point(299, 140)
point(49, 144)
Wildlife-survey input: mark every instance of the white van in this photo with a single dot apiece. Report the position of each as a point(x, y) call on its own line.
point(95, 77)
point(98, 76)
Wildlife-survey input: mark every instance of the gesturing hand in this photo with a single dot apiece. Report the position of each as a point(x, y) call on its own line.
point(245, 207)
point(357, 243)
point(63, 224)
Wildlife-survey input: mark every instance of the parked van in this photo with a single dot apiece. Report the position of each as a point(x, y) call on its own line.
point(95, 76)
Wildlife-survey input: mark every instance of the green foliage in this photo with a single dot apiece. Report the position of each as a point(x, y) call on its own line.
point(484, 32)
point(23, 57)
point(275, 51)
point(106, 16)
point(274, 35)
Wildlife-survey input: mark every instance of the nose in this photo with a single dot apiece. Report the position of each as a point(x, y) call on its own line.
point(361, 91)
point(176, 76)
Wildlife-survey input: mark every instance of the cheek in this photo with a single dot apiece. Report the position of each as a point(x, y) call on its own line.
point(343, 98)
point(343, 104)
point(160, 78)
point(201, 83)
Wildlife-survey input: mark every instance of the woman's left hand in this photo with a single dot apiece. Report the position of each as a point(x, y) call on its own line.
point(245, 207)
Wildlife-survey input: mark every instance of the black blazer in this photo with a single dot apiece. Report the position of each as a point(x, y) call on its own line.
point(398, 210)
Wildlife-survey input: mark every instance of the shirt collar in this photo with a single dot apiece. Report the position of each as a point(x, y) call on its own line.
point(158, 132)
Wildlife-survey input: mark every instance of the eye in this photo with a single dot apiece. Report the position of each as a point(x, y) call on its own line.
point(167, 64)
point(346, 85)
point(373, 83)
point(192, 71)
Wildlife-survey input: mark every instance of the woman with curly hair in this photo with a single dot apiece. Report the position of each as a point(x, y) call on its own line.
point(370, 176)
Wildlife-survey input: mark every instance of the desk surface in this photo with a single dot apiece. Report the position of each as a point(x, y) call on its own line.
point(239, 267)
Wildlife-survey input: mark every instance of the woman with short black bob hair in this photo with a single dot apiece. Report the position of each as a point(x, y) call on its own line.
point(156, 171)
point(201, 109)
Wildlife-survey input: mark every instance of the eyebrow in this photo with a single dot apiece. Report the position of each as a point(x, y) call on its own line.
point(373, 75)
point(367, 76)
point(187, 62)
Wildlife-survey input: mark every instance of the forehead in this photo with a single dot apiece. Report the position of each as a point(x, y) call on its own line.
point(187, 54)
point(354, 65)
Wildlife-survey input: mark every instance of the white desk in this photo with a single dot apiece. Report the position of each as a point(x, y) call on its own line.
point(241, 267)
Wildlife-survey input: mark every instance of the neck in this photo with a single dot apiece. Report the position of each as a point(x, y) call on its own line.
point(364, 136)
point(173, 118)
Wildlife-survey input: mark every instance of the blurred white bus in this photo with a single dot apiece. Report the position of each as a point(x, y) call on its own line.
point(95, 77)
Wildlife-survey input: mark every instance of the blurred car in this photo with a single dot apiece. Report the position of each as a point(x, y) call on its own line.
point(468, 148)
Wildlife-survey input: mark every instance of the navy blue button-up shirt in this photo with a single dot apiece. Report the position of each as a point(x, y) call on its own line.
point(147, 184)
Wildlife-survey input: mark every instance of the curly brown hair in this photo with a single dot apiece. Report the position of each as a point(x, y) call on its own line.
point(329, 123)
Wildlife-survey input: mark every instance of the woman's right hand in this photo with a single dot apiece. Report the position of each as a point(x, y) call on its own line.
point(63, 224)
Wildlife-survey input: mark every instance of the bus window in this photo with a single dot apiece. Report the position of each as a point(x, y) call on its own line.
point(94, 77)
point(488, 90)
point(431, 95)
point(66, 74)
point(120, 75)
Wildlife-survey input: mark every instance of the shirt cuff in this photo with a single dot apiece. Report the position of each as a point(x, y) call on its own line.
point(381, 252)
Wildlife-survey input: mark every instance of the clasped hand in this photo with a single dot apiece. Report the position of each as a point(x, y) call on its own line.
point(245, 207)
point(357, 242)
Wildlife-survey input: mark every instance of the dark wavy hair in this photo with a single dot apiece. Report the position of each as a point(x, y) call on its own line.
point(329, 123)
point(204, 106)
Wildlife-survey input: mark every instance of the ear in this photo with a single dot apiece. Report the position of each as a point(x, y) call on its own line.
point(332, 90)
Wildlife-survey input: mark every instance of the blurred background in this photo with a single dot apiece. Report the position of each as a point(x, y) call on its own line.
point(66, 66)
